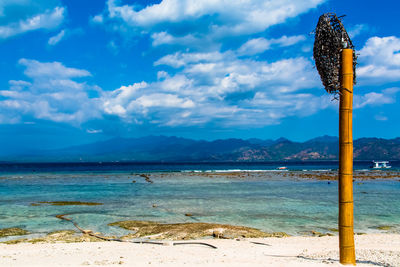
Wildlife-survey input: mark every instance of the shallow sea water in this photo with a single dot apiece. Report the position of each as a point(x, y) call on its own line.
point(272, 203)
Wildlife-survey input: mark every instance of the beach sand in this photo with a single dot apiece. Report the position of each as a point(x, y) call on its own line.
point(371, 250)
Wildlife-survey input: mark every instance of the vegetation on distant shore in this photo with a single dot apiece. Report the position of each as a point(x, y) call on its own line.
point(66, 203)
point(180, 231)
point(158, 148)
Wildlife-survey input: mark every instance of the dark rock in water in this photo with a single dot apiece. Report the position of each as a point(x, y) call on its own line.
point(66, 203)
point(314, 233)
point(12, 231)
point(188, 214)
point(154, 205)
point(133, 181)
point(363, 192)
point(146, 178)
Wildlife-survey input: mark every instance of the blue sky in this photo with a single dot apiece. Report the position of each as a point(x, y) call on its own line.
point(74, 71)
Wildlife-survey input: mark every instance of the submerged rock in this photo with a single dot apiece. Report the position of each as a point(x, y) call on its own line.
point(179, 231)
point(146, 178)
point(67, 203)
point(12, 231)
point(384, 227)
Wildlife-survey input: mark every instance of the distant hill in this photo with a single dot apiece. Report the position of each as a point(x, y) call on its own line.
point(163, 148)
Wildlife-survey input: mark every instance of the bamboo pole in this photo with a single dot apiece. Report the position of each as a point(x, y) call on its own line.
point(346, 220)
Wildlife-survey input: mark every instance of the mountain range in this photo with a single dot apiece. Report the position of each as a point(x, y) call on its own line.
point(170, 148)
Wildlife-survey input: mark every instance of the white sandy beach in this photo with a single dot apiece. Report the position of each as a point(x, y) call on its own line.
point(371, 250)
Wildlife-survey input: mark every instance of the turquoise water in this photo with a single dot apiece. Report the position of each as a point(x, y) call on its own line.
point(269, 202)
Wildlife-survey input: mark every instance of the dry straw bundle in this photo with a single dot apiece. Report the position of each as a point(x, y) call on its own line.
point(330, 39)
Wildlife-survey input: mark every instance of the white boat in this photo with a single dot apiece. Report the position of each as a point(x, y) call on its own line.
point(380, 165)
point(282, 168)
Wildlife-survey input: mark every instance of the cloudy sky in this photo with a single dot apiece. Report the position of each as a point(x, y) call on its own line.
point(74, 71)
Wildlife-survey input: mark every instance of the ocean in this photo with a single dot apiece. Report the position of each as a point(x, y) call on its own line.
point(272, 203)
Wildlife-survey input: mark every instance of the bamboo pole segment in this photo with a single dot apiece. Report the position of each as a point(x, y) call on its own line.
point(346, 220)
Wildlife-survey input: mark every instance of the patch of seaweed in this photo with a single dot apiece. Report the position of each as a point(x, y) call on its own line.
point(384, 227)
point(184, 231)
point(12, 231)
point(65, 236)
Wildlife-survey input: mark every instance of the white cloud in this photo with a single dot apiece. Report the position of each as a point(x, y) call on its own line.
point(259, 45)
point(222, 18)
point(160, 38)
point(64, 34)
point(139, 99)
point(226, 72)
point(116, 102)
point(52, 95)
point(51, 70)
point(162, 74)
point(387, 96)
point(379, 117)
point(219, 88)
point(358, 29)
point(213, 88)
point(93, 131)
point(18, 85)
point(383, 50)
point(113, 47)
point(181, 59)
point(162, 100)
point(56, 38)
point(50, 19)
point(254, 46)
point(380, 60)
point(372, 98)
point(98, 19)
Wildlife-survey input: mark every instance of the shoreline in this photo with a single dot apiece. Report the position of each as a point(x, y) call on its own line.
point(371, 250)
point(144, 231)
point(318, 174)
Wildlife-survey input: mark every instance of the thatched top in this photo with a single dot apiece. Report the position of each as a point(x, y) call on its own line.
point(330, 38)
